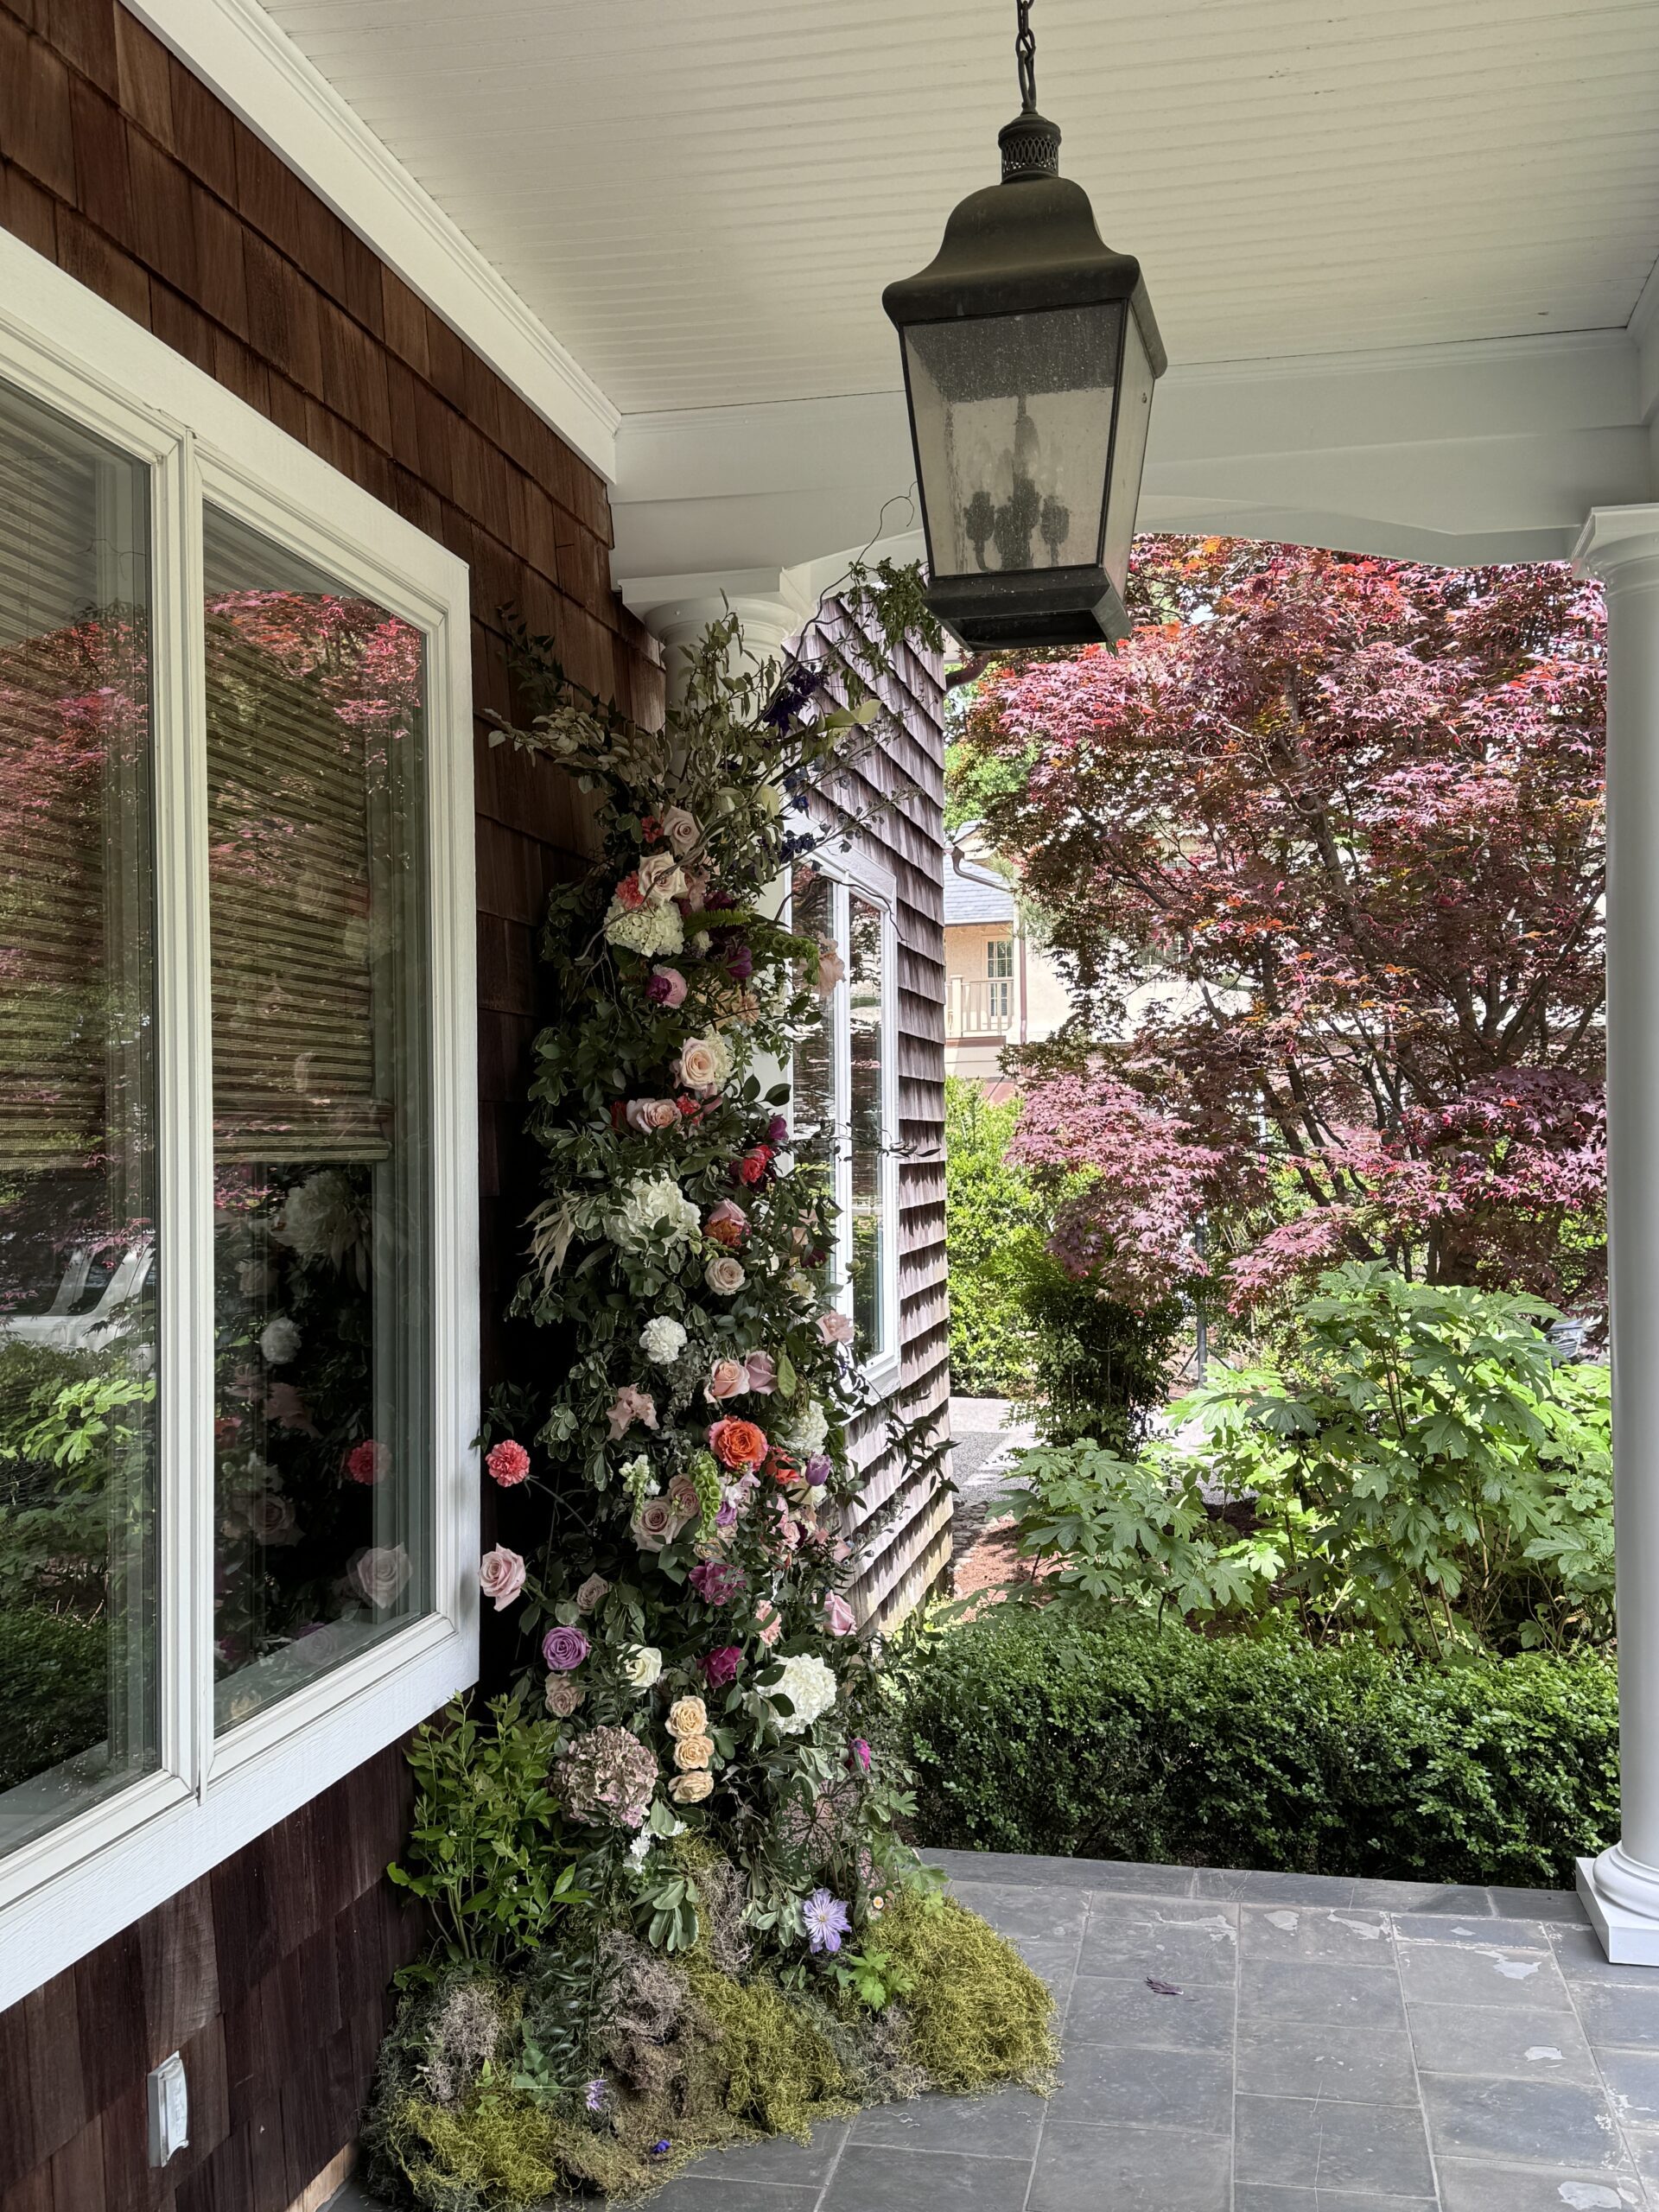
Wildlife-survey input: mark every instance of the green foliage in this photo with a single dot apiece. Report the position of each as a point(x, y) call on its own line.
point(1099, 1365)
point(481, 1844)
point(55, 1669)
point(989, 1207)
point(976, 781)
point(1420, 1469)
point(1065, 1733)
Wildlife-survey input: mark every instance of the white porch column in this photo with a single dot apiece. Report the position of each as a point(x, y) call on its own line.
point(771, 604)
point(1620, 1889)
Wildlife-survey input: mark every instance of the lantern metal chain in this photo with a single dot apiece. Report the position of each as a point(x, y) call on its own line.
point(1025, 49)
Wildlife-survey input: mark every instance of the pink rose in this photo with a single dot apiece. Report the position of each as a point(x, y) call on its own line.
point(649, 1115)
point(667, 988)
point(763, 1372)
point(836, 1328)
point(284, 1403)
point(680, 827)
point(727, 1377)
point(591, 1592)
point(508, 1463)
point(501, 1576)
point(381, 1575)
point(657, 1522)
point(838, 1616)
point(769, 1621)
point(631, 1405)
point(368, 1463)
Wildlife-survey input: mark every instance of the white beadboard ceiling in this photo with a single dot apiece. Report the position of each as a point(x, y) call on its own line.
point(701, 198)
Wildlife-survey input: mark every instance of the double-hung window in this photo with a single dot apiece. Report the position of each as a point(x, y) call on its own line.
point(845, 1105)
point(237, 1193)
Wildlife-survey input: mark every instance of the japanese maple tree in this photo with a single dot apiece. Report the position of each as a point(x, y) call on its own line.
point(1321, 850)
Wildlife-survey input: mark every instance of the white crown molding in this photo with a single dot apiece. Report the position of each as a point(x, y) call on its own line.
point(257, 69)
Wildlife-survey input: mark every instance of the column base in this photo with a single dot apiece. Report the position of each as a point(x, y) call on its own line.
point(1622, 1898)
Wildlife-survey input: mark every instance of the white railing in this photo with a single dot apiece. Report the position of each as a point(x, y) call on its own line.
point(978, 1006)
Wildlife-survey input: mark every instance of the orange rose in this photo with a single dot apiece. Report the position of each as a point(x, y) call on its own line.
point(737, 1443)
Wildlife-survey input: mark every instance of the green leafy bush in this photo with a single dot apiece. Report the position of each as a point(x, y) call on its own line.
point(54, 1668)
point(1099, 1366)
point(1055, 1732)
point(1421, 1469)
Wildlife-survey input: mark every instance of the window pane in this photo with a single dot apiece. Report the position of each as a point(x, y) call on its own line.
point(999, 971)
point(867, 1124)
point(813, 911)
point(78, 1257)
point(320, 1122)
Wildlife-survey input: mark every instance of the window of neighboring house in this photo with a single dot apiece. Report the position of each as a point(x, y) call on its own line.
point(999, 982)
point(236, 1295)
point(845, 1099)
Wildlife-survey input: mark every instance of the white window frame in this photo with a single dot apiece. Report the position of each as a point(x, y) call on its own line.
point(96, 1873)
point(850, 868)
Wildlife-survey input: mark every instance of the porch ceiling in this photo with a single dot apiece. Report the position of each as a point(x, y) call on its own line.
point(704, 202)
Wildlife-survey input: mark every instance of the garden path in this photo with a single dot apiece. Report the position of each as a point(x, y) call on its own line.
point(1264, 2042)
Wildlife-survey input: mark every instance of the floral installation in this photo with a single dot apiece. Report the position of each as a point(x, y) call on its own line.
point(701, 1700)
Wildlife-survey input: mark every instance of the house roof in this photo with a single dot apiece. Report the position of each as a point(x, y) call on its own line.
point(972, 894)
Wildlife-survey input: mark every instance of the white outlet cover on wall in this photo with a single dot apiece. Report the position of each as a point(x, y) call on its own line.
point(169, 2110)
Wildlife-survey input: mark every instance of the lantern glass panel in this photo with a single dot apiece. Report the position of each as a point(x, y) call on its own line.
point(1013, 427)
point(1128, 456)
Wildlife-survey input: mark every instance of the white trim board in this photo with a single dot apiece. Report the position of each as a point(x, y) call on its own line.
point(257, 69)
point(78, 1883)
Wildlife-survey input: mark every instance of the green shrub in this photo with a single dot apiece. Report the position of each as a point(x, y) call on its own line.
point(54, 1668)
point(989, 1208)
point(1042, 1732)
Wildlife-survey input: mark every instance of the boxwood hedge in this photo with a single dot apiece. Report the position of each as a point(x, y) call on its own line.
point(1107, 1739)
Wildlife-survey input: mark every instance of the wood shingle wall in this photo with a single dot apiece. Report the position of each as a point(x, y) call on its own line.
point(900, 785)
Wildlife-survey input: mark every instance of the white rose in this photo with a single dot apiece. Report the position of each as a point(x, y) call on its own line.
point(279, 1340)
point(661, 876)
point(725, 1274)
point(680, 827)
point(705, 1062)
point(662, 1339)
point(641, 1665)
point(380, 1576)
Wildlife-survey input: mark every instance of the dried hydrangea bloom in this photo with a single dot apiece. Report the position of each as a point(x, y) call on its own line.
point(606, 1777)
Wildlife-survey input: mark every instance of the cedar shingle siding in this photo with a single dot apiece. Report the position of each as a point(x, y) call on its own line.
point(270, 1972)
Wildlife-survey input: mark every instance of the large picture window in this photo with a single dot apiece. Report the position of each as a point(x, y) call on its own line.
point(845, 1102)
point(238, 1268)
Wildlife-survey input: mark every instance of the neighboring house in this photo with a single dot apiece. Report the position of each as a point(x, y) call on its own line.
point(267, 987)
point(1002, 987)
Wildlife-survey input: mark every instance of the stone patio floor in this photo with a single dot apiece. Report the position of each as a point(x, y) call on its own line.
point(1265, 2043)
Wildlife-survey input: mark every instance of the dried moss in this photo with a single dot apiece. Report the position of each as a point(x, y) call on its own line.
point(978, 2014)
point(781, 2072)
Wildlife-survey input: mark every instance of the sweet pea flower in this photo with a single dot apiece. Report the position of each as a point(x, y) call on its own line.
point(501, 1576)
point(777, 1130)
point(838, 1616)
point(762, 1372)
point(666, 988)
point(818, 1470)
point(630, 1405)
point(858, 1754)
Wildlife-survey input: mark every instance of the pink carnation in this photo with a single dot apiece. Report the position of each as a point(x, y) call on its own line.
point(369, 1463)
point(509, 1463)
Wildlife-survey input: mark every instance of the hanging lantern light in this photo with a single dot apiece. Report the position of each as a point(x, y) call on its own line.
point(1030, 353)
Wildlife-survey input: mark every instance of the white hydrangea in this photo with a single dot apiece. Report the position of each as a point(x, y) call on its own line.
point(808, 1428)
point(279, 1340)
point(652, 931)
point(809, 1686)
point(655, 1211)
point(662, 1339)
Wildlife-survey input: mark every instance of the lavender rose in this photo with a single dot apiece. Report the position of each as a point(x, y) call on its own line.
point(563, 1648)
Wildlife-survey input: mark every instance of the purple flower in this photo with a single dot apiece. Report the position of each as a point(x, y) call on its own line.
point(720, 902)
point(661, 2147)
point(777, 1130)
point(739, 963)
point(563, 1648)
point(596, 2096)
point(859, 1751)
point(827, 1921)
point(720, 1666)
point(818, 1470)
point(716, 1581)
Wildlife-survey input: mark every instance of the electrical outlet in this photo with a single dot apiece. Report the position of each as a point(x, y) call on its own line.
point(169, 2110)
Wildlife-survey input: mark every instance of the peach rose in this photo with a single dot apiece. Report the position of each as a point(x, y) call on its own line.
point(737, 1443)
point(649, 1115)
point(688, 1716)
point(727, 1377)
point(691, 1788)
point(691, 1751)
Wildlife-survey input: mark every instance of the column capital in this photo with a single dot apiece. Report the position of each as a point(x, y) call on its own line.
point(771, 604)
point(1617, 538)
